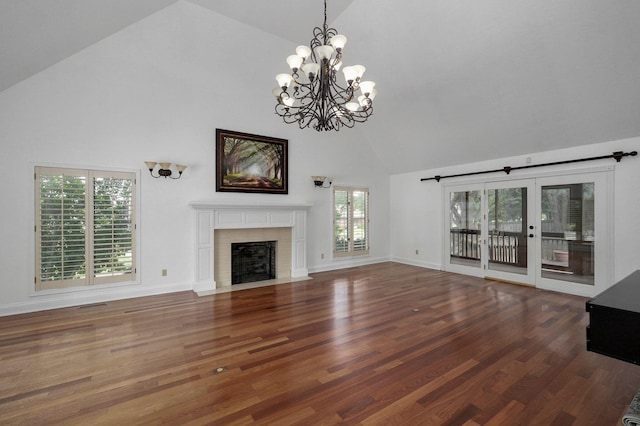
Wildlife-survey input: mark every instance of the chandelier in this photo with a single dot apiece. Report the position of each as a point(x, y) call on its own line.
point(312, 96)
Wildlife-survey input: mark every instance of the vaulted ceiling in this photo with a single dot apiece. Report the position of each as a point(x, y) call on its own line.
point(459, 81)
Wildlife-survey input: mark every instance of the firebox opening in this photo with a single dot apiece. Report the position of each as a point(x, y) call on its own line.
point(253, 261)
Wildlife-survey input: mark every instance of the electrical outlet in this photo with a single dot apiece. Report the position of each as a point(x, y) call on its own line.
point(417, 251)
point(321, 255)
point(164, 272)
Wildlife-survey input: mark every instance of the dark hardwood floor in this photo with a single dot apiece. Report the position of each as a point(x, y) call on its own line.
point(386, 344)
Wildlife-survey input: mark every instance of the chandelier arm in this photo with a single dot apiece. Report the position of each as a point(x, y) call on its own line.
point(304, 91)
point(321, 37)
point(304, 114)
point(341, 96)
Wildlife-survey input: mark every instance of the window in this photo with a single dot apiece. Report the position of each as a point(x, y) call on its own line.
point(85, 227)
point(351, 221)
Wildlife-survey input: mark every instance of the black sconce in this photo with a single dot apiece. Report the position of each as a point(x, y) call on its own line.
point(319, 181)
point(165, 169)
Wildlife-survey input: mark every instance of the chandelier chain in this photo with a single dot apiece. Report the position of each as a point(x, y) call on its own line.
point(325, 13)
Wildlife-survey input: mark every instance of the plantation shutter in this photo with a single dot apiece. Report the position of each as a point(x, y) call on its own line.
point(341, 221)
point(61, 228)
point(360, 213)
point(85, 228)
point(113, 227)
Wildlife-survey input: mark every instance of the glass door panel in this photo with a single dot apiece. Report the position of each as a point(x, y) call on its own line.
point(465, 225)
point(507, 224)
point(510, 232)
point(575, 233)
point(568, 221)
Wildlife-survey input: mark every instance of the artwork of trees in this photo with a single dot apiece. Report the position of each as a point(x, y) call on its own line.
point(250, 165)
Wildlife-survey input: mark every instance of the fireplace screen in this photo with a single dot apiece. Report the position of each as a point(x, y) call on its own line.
point(253, 261)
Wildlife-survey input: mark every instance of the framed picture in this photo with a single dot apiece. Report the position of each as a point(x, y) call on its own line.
point(250, 163)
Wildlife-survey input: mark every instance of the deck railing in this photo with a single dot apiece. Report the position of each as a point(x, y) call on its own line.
point(465, 243)
point(505, 247)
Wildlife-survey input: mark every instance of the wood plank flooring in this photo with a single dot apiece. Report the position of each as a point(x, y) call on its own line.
point(386, 344)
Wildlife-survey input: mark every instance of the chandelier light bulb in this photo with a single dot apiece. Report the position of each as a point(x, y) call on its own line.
point(311, 70)
point(324, 52)
point(352, 106)
point(303, 51)
point(373, 94)
point(359, 69)
point(294, 62)
point(349, 74)
point(353, 73)
point(366, 87)
point(338, 42)
point(284, 80)
point(277, 92)
point(288, 101)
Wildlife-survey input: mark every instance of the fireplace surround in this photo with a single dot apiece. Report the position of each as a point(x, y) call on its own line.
point(224, 239)
point(252, 219)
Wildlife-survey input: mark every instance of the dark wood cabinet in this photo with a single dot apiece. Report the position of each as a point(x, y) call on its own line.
point(614, 320)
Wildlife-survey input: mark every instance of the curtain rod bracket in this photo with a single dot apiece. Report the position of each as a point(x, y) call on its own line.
point(618, 156)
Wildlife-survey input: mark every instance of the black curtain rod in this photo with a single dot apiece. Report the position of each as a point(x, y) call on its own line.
point(508, 169)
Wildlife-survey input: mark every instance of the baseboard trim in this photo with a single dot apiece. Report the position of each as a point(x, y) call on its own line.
point(70, 299)
point(414, 262)
point(348, 263)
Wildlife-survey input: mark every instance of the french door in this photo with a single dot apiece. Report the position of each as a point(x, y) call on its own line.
point(550, 232)
point(491, 230)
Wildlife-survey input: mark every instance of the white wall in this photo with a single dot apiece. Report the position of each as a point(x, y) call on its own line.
point(417, 210)
point(157, 91)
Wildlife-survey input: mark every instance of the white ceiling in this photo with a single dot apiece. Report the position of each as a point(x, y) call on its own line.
point(459, 81)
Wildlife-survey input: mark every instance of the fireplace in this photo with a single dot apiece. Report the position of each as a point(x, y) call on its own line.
point(224, 240)
point(218, 226)
point(253, 261)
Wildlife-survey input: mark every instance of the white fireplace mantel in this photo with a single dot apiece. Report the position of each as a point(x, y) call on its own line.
point(211, 216)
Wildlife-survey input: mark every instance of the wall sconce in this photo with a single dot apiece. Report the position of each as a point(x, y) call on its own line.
point(164, 170)
point(319, 181)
